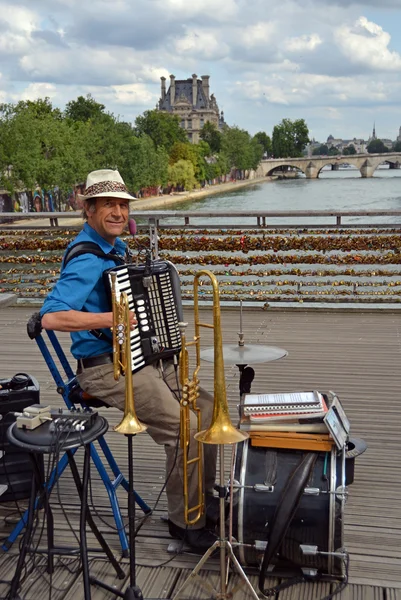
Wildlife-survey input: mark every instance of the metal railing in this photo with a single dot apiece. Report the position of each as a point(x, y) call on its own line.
point(350, 256)
point(198, 219)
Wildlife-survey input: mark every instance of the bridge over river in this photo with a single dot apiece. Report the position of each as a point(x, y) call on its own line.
point(311, 166)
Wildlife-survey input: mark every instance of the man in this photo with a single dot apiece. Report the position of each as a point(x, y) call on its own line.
point(80, 305)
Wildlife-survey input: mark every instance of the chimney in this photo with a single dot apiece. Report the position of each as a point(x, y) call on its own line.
point(194, 89)
point(172, 89)
point(205, 86)
point(163, 80)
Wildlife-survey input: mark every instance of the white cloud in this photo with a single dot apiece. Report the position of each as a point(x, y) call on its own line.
point(201, 46)
point(304, 43)
point(367, 44)
point(97, 66)
point(314, 59)
point(18, 18)
point(219, 10)
point(38, 90)
point(134, 94)
point(257, 35)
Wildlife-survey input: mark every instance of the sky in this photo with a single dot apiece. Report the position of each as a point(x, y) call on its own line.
point(334, 63)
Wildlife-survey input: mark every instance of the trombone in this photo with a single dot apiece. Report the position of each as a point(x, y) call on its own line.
point(129, 425)
point(221, 430)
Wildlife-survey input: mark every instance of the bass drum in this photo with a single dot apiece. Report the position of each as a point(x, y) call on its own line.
point(260, 477)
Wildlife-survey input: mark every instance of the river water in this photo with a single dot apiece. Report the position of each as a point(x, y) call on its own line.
point(335, 190)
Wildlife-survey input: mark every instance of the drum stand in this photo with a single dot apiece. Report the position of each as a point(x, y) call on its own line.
point(226, 553)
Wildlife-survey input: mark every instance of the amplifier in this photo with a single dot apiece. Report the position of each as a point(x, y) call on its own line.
point(16, 393)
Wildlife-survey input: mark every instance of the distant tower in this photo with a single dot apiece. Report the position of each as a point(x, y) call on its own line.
point(374, 132)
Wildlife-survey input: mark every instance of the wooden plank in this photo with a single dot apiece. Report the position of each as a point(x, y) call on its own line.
point(355, 354)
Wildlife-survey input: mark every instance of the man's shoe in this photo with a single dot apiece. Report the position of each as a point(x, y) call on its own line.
point(199, 540)
point(213, 511)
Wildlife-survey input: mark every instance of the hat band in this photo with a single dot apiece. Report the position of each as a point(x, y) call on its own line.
point(105, 186)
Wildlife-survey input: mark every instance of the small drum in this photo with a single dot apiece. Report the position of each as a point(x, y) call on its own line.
point(260, 476)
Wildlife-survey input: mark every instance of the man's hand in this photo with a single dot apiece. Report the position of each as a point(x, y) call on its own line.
point(132, 320)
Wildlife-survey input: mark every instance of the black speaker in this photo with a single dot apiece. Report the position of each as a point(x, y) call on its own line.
point(16, 393)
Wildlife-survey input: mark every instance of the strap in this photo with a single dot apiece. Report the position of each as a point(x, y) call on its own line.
point(270, 468)
point(89, 248)
point(286, 509)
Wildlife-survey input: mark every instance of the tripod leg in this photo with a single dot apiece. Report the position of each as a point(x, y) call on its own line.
point(240, 571)
point(193, 576)
point(89, 518)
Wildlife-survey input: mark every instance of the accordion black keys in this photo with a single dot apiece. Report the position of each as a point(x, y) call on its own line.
point(154, 295)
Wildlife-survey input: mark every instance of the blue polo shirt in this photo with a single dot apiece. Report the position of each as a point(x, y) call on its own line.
point(81, 287)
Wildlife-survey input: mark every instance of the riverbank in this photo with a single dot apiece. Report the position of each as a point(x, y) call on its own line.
point(150, 203)
point(166, 201)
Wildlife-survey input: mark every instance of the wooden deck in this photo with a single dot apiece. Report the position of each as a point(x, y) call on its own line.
point(355, 353)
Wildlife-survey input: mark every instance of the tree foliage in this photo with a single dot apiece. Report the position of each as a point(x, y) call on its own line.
point(349, 150)
point(240, 150)
point(265, 141)
point(321, 150)
point(290, 138)
point(85, 109)
point(181, 174)
point(397, 146)
point(162, 127)
point(377, 147)
point(333, 151)
point(210, 134)
point(40, 145)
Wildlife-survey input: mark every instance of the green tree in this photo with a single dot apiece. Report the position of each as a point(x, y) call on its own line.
point(349, 150)
point(290, 138)
point(38, 146)
point(210, 134)
point(84, 109)
point(194, 153)
point(182, 174)
point(321, 150)
point(397, 147)
point(377, 147)
point(265, 141)
point(144, 165)
point(162, 127)
point(333, 151)
point(240, 151)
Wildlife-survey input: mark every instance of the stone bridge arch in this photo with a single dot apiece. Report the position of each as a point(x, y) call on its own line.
point(289, 163)
point(312, 166)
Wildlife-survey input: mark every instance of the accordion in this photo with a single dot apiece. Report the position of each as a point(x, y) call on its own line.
point(154, 295)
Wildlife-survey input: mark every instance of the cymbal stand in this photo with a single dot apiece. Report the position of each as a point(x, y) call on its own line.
point(132, 591)
point(246, 374)
point(226, 553)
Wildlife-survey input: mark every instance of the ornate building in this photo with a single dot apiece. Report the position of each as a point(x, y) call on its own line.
point(191, 101)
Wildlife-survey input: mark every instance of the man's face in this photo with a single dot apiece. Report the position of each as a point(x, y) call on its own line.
point(109, 217)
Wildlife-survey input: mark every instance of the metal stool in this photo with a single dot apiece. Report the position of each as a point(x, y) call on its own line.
point(43, 441)
point(72, 395)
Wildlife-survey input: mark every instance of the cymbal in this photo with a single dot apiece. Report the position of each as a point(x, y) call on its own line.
point(245, 355)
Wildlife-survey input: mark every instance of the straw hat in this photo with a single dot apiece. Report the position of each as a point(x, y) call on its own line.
point(105, 183)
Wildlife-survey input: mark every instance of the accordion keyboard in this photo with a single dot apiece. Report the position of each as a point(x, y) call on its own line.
point(157, 334)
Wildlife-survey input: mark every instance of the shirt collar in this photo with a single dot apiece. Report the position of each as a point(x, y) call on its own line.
point(119, 245)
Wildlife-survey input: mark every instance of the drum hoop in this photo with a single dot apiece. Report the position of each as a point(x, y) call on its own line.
point(332, 503)
point(241, 502)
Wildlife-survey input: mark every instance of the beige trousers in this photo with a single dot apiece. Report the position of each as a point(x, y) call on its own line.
point(157, 405)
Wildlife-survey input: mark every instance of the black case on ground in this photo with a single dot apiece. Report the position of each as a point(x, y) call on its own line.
point(16, 394)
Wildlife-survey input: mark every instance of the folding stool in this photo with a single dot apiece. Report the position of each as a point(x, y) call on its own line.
point(72, 395)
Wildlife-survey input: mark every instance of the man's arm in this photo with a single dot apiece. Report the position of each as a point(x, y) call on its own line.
point(75, 320)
